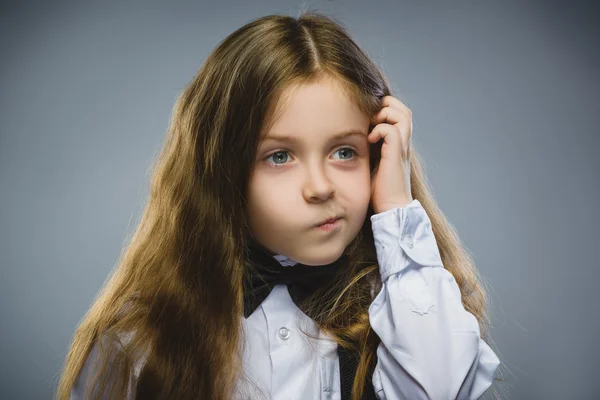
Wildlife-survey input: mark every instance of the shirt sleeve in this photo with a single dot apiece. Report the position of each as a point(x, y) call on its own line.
point(430, 345)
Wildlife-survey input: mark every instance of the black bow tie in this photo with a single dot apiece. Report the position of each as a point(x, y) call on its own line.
point(301, 280)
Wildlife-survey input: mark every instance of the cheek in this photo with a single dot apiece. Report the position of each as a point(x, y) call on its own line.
point(266, 204)
point(361, 184)
point(363, 194)
point(254, 202)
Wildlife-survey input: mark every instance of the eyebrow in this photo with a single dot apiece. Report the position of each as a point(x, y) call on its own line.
point(293, 138)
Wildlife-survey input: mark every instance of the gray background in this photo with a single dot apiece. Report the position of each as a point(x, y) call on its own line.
point(505, 107)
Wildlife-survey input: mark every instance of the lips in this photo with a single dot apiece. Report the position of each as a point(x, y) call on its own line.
point(327, 221)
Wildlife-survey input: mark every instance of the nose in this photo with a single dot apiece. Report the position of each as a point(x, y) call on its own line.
point(318, 186)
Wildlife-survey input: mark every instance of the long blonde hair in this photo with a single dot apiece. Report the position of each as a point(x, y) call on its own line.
point(178, 284)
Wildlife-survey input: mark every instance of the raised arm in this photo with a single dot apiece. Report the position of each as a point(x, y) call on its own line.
point(430, 345)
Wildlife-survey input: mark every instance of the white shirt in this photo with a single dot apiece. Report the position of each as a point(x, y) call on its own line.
point(430, 345)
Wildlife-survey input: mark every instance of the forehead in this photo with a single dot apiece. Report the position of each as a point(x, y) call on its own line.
point(314, 109)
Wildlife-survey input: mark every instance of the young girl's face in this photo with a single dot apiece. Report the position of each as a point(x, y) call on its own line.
point(298, 183)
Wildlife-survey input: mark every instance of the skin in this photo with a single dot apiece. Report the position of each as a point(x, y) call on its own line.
point(297, 184)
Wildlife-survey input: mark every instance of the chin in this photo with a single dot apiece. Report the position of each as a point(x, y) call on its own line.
point(323, 260)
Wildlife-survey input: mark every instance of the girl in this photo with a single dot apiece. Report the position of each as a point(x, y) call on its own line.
point(290, 248)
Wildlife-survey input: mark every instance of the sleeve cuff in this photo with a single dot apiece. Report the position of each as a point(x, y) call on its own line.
point(407, 228)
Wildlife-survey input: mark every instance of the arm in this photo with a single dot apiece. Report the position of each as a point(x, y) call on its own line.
point(430, 345)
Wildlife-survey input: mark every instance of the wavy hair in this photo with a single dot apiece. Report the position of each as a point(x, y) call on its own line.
point(178, 283)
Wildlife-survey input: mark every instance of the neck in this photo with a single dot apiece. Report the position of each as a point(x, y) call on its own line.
point(283, 260)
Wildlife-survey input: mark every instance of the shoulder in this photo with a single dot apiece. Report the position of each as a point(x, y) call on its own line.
point(139, 359)
point(103, 358)
point(98, 361)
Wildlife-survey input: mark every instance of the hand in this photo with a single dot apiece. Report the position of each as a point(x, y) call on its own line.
point(390, 180)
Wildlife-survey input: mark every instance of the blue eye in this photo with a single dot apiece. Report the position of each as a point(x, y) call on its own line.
point(278, 155)
point(347, 148)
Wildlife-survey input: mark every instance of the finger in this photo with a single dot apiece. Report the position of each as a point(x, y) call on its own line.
point(395, 103)
point(393, 140)
point(403, 125)
point(396, 142)
point(391, 116)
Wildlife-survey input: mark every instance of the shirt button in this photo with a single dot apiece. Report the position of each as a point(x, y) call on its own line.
point(408, 241)
point(284, 333)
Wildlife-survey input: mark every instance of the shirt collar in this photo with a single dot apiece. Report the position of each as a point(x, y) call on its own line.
point(285, 261)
